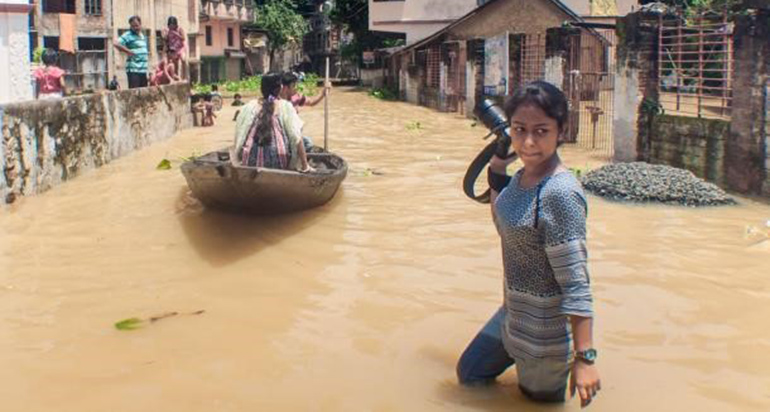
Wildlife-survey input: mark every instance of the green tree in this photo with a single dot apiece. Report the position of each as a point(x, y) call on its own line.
point(353, 16)
point(283, 24)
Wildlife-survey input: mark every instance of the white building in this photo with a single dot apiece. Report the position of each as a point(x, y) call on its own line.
point(416, 18)
point(15, 81)
point(420, 18)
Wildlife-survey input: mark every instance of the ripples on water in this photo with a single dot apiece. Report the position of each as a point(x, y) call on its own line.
point(363, 304)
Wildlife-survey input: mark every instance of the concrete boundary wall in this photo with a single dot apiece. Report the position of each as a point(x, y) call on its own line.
point(730, 153)
point(44, 143)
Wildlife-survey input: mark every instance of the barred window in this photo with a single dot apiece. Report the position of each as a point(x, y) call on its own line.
point(93, 7)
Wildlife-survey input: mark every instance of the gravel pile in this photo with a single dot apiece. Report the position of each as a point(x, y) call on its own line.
point(644, 182)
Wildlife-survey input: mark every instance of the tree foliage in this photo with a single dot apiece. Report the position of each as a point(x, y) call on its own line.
point(284, 26)
point(699, 6)
point(353, 16)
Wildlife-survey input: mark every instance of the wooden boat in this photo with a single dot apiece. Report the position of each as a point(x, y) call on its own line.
point(219, 183)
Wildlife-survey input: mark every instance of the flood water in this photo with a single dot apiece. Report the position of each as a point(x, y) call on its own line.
point(364, 304)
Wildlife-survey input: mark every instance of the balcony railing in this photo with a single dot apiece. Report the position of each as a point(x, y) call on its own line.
point(242, 10)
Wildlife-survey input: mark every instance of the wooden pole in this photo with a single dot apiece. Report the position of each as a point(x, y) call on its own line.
point(326, 108)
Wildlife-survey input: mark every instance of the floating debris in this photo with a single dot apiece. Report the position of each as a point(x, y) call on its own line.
point(136, 323)
point(164, 164)
point(644, 182)
point(414, 126)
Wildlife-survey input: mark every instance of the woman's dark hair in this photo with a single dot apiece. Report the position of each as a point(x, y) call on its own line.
point(172, 21)
point(214, 88)
point(237, 96)
point(543, 95)
point(271, 87)
point(289, 78)
point(49, 57)
point(132, 18)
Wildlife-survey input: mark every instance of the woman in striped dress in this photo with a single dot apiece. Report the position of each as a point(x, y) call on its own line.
point(540, 214)
point(274, 138)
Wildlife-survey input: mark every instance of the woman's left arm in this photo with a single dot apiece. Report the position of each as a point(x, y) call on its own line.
point(585, 376)
point(564, 217)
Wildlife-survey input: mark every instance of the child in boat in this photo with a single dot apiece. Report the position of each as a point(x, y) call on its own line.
point(274, 138)
point(289, 92)
point(540, 214)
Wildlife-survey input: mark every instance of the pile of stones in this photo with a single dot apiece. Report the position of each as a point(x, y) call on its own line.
point(644, 182)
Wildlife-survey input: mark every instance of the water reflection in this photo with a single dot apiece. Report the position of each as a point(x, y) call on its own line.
point(222, 238)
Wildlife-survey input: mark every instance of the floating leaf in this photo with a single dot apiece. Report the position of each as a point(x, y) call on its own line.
point(164, 164)
point(129, 324)
point(136, 323)
point(413, 125)
point(190, 158)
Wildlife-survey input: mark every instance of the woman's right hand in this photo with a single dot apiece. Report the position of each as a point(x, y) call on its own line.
point(499, 165)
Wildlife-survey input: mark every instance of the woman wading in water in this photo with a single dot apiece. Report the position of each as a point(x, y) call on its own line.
point(540, 214)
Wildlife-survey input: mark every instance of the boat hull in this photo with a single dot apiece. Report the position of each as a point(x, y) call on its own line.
point(218, 183)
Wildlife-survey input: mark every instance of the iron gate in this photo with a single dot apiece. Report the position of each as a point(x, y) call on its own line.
point(589, 87)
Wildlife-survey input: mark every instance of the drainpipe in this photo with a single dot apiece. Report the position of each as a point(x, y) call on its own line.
point(153, 40)
point(110, 48)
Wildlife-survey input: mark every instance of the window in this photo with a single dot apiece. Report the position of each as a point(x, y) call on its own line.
point(51, 42)
point(160, 42)
point(59, 6)
point(230, 37)
point(192, 43)
point(209, 37)
point(91, 43)
point(93, 7)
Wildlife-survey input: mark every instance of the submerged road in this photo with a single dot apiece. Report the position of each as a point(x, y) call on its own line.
point(364, 304)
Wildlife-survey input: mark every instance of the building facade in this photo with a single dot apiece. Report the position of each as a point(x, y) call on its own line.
point(322, 40)
point(221, 45)
point(416, 18)
point(15, 81)
point(154, 15)
point(80, 31)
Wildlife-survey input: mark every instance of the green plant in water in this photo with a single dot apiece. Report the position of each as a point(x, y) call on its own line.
point(309, 85)
point(199, 88)
point(164, 164)
point(383, 93)
point(413, 126)
point(129, 324)
point(195, 154)
point(579, 171)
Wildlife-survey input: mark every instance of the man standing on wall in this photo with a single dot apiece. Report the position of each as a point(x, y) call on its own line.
point(134, 44)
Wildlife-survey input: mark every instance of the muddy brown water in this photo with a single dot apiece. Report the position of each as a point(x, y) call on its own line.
point(364, 304)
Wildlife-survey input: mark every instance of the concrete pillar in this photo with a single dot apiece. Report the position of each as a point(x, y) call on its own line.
point(745, 151)
point(15, 79)
point(557, 53)
point(636, 78)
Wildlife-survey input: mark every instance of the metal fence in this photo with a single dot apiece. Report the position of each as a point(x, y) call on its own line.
point(527, 55)
point(695, 66)
point(590, 87)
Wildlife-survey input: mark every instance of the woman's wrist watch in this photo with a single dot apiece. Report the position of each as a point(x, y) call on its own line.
point(588, 356)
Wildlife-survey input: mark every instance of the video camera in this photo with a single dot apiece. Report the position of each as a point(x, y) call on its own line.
point(493, 117)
